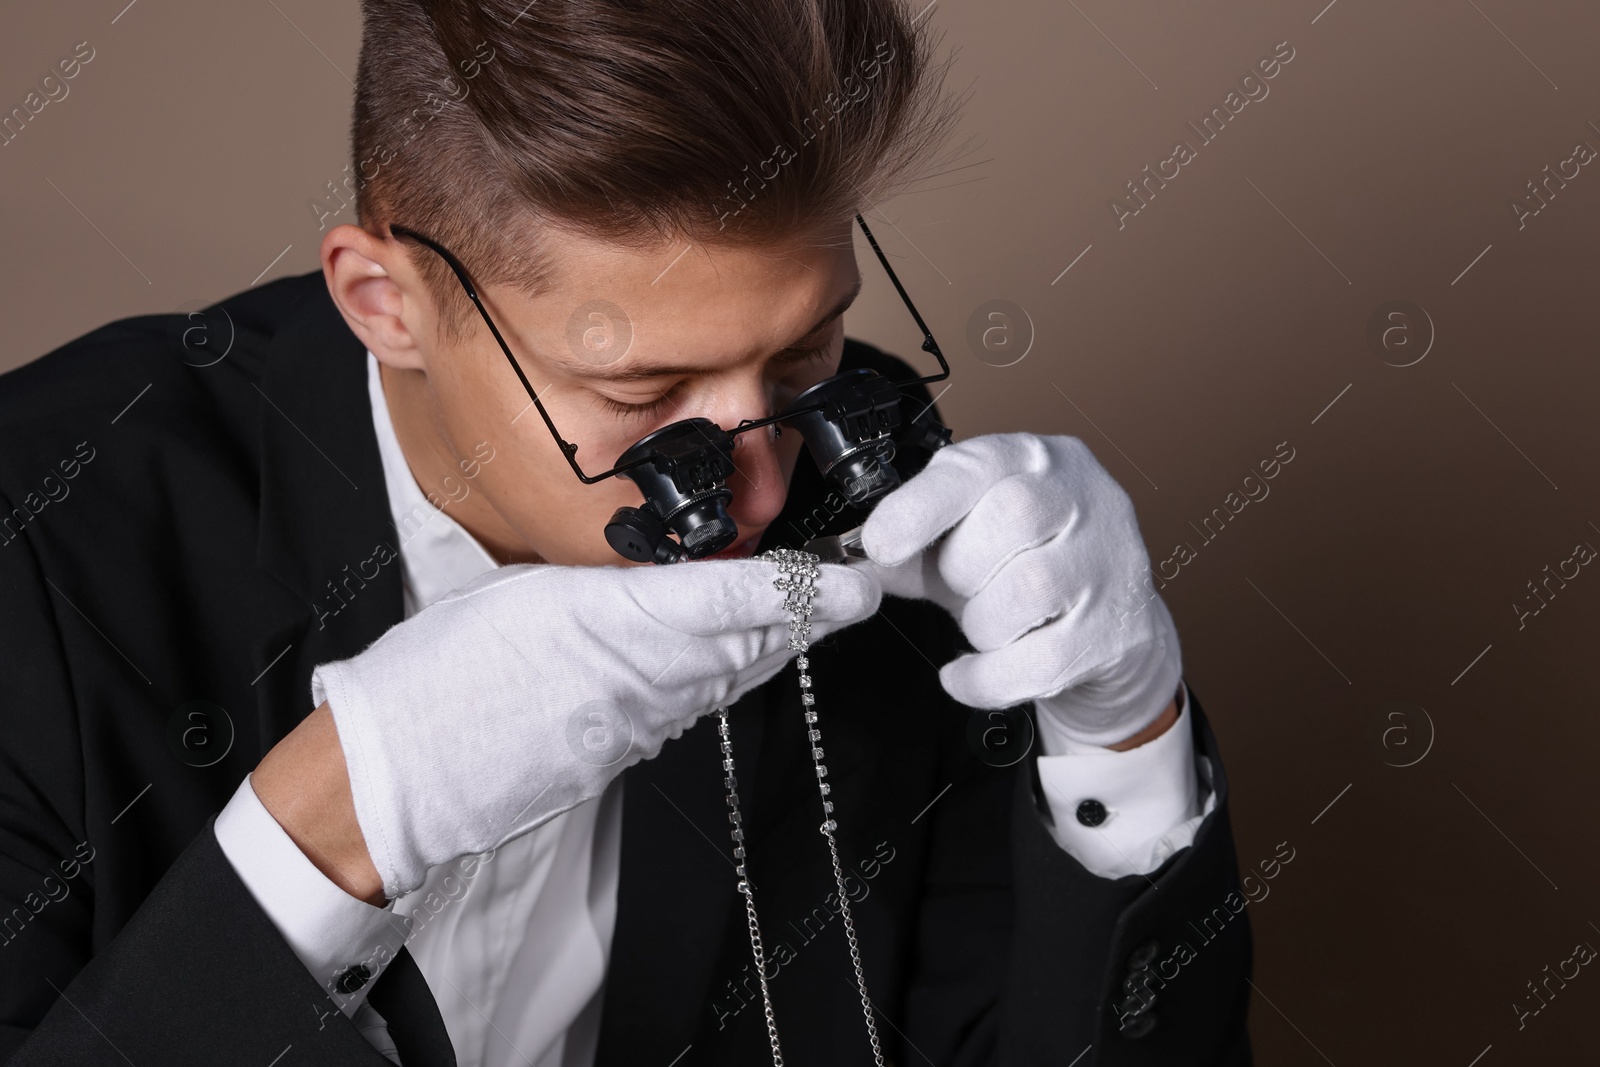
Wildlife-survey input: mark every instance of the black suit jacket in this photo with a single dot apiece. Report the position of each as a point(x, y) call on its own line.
point(169, 527)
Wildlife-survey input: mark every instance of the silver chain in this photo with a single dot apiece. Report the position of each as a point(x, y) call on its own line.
point(797, 577)
point(744, 885)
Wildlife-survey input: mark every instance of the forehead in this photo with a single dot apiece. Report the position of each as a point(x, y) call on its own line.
point(613, 310)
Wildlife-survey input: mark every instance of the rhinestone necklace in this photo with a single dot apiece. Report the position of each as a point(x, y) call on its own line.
point(797, 577)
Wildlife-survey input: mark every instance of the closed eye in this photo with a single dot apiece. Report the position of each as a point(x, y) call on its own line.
point(635, 411)
point(654, 408)
point(799, 356)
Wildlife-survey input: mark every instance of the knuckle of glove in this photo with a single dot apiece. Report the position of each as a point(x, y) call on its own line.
point(978, 461)
point(993, 456)
point(1011, 522)
point(1072, 454)
point(1030, 593)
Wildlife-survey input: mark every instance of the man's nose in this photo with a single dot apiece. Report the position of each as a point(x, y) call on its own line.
point(758, 485)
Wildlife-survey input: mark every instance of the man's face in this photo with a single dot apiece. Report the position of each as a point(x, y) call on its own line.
point(624, 343)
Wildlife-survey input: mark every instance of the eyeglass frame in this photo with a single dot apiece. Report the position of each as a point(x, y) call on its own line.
point(568, 448)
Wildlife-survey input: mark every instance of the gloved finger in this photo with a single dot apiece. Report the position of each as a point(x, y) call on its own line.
point(1015, 514)
point(1067, 573)
point(1125, 696)
point(845, 595)
point(734, 660)
point(734, 684)
point(940, 495)
point(1031, 589)
point(917, 578)
point(1041, 663)
point(757, 647)
point(716, 596)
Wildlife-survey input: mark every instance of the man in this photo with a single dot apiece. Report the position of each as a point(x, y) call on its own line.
point(333, 730)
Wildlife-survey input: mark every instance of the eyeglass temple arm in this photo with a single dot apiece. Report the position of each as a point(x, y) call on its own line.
point(928, 343)
point(568, 449)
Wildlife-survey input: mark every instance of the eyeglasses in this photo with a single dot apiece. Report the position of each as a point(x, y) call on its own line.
point(851, 422)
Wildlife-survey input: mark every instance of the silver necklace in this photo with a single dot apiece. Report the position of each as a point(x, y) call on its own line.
point(797, 577)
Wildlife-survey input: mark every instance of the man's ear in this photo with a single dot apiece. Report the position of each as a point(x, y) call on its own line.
point(379, 295)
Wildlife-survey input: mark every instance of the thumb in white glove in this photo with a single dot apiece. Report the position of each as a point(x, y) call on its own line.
point(524, 693)
point(1031, 544)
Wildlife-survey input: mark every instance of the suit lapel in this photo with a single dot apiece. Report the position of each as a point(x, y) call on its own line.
point(325, 530)
point(326, 536)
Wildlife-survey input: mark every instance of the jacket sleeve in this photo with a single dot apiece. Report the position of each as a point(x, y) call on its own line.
point(1025, 957)
point(1145, 970)
point(198, 975)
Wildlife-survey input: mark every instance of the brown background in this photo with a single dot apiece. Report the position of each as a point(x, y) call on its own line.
point(1183, 348)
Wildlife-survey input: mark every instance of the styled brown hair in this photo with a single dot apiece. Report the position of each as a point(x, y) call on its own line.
point(726, 122)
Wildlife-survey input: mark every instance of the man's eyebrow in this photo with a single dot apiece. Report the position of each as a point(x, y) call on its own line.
point(658, 370)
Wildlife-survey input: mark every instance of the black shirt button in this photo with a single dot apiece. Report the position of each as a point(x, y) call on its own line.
point(352, 978)
point(1143, 956)
point(1091, 813)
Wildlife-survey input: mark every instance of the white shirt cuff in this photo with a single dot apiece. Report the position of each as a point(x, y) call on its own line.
point(327, 928)
point(1151, 796)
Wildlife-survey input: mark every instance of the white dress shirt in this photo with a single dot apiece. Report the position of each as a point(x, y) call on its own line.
point(514, 943)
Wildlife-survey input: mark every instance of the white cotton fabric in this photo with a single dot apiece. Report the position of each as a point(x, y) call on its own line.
point(1034, 548)
point(1151, 795)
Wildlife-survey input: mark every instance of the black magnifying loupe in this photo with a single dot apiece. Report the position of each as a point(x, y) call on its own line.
point(682, 470)
point(848, 422)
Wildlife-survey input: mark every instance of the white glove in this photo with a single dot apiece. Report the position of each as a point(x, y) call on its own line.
point(1042, 548)
point(523, 694)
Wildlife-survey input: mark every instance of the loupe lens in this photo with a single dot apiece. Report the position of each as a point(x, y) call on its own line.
point(704, 527)
point(850, 432)
point(865, 476)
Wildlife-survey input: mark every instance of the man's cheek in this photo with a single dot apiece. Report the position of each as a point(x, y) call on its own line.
point(563, 519)
point(788, 447)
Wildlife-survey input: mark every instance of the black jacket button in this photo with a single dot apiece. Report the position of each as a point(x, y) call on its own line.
point(352, 978)
point(1143, 956)
point(1139, 1026)
point(1138, 984)
point(1091, 813)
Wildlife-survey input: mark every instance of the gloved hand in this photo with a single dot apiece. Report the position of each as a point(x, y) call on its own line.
point(523, 694)
point(1042, 550)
